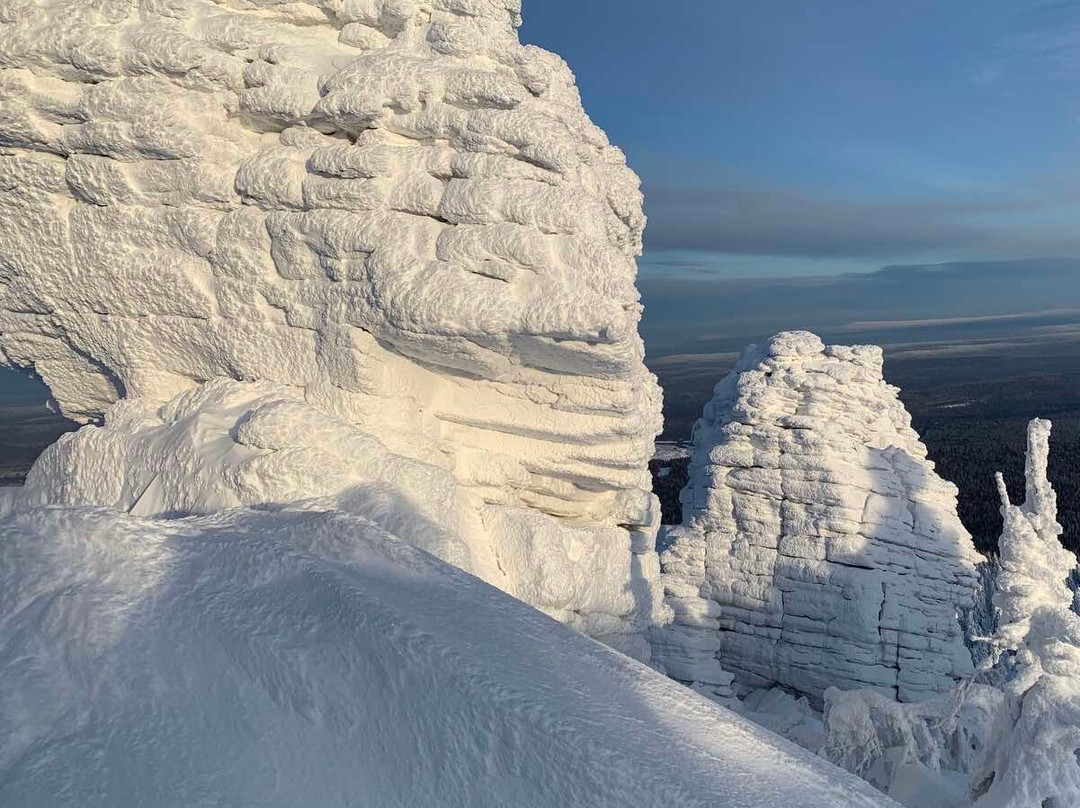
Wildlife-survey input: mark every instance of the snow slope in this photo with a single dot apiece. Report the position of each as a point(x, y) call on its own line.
point(302, 656)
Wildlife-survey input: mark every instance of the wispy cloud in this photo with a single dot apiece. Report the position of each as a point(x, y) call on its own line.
point(1041, 39)
point(908, 167)
point(779, 222)
point(877, 325)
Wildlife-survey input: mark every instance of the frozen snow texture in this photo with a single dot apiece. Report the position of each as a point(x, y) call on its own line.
point(925, 755)
point(1034, 566)
point(390, 207)
point(302, 656)
point(226, 444)
point(1035, 760)
point(818, 547)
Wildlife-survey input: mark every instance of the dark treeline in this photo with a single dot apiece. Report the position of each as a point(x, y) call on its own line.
point(968, 453)
point(974, 429)
point(667, 488)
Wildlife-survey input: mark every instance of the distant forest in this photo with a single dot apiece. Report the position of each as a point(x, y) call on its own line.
point(968, 453)
point(974, 429)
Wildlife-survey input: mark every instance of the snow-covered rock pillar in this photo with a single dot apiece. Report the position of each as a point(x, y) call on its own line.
point(392, 211)
point(818, 547)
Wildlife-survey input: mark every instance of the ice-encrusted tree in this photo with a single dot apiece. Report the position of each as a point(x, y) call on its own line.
point(1034, 566)
point(1034, 758)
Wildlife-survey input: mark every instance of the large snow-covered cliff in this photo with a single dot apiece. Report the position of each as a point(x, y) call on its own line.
point(818, 548)
point(390, 212)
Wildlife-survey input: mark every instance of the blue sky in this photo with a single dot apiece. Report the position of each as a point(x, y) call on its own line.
point(781, 138)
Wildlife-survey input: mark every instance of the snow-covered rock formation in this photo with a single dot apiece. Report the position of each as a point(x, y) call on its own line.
point(302, 656)
point(818, 546)
point(391, 215)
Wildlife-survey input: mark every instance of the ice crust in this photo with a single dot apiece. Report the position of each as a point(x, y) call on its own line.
point(389, 210)
point(818, 547)
point(287, 656)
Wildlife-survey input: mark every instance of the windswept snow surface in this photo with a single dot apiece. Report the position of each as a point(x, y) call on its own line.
point(226, 444)
point(302, 656)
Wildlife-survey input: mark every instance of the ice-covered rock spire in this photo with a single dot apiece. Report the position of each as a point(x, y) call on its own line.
point(818, 547)
point(1034, 566)
point(391, 210)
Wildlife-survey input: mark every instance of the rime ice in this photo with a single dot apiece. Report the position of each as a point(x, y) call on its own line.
point(818, 547)
point(390, 210)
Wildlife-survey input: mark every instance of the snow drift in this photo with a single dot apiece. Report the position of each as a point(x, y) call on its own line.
point(302, 656)
point(390, 207)
point(818, 547)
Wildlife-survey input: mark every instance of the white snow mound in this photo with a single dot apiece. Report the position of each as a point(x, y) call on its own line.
point(1035, 759)
point(303, 656)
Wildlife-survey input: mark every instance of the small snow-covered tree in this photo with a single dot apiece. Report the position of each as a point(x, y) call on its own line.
point(1034, 760)
point(1035, 567)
